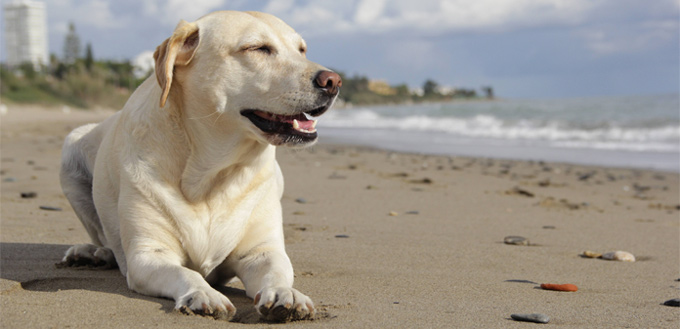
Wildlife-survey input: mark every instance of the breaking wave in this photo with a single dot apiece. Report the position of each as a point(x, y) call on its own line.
point(659, 137)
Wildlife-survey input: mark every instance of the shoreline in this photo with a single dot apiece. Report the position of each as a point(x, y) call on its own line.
point(382, 239)
point(623, 159)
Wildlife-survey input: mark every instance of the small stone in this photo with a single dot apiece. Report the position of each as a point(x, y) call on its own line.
point(591, 254)
point(516, 240)
point(672, 302)
point(422, 181)
point(559, 287)
point(50, 208)
point(298, 213)
point(342, 236)
point(533, 317)
point(549, 227)
point(300, 200)
point(586, 176)
point(412, 212)
point(393, 213)
point(518, 191)
point(28, 195)
point(622, 256)
point(9, 180)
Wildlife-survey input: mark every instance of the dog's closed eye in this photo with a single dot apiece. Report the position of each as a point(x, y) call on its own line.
point(265, 49)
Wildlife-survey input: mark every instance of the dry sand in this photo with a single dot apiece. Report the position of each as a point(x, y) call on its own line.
point(444, 265)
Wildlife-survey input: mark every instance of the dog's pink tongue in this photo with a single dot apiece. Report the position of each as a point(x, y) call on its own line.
point(306, 124)
point(300, 122)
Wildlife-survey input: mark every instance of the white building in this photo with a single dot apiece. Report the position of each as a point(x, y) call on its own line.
point(26, 33)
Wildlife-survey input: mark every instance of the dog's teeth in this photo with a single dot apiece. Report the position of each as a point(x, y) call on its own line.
point(296, 124)
point(313, 124)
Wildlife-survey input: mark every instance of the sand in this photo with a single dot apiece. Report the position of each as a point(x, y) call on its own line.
point(377, 239)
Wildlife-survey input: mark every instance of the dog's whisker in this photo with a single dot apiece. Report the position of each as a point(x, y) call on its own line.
point(204, 117)
point(219, 115)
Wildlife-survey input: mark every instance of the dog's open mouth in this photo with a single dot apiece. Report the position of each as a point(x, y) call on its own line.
point(299, 127)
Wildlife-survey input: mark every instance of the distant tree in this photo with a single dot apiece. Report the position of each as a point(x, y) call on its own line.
point(27, 69)
point(60, 71)
point(71, 45)
point(488, 91)
point(430, 87)
point(89, 58)
point(402, 90)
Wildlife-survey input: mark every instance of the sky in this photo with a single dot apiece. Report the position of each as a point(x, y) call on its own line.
point(522, 48)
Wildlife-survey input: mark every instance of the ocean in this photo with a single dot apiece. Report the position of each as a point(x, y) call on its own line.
point(621, 131)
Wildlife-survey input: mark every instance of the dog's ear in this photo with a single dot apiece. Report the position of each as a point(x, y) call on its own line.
point(177, 50)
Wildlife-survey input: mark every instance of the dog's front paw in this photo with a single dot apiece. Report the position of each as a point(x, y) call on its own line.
point(206, 303)
point(283, 305)
point(88, 255)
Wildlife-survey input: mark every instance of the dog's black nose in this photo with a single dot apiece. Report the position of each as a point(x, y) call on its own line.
point(328, 81)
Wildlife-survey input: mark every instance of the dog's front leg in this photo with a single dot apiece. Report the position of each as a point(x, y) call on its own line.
point(157, 261)
point(267, 274)
point(156, 273)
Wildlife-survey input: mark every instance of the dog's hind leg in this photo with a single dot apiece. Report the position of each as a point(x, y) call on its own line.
point(78, 156)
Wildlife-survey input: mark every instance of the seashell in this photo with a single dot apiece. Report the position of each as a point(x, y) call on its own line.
point(516, 240)
point(591, 254)
point(622, 256)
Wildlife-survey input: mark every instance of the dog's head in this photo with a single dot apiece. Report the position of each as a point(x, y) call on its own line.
point(245, 72)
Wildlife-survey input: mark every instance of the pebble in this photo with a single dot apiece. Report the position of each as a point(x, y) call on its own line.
point(533, 317)
point(9, 180)
point(622, 256)
point(342, 236)
point(549, 227)
point(559, 287)
point(422, 181)
point(518, 191)
point(413, 212)
point(591, 254)
point(516, 240)
point(300, 200)
point(50, 208)
point(28, 195)
point(672, 302)
point(393, 213)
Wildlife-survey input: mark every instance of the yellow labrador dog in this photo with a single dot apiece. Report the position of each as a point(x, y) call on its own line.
point(181, 189)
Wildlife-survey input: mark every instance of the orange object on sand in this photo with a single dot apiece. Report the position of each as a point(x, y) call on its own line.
point(559, 287)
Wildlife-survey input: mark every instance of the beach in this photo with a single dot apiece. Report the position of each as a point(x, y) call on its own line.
point(378, 239)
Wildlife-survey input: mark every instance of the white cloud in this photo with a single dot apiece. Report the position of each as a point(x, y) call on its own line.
point(605, 40)
point(170, 12)
point(143, 64)
point(434, 15)
point(369, 11)
point(92, 14)
point(279, 6)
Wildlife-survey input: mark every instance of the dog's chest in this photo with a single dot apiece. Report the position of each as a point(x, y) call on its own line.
point(220, 225)
point(212, 237)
